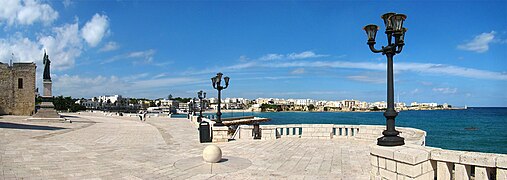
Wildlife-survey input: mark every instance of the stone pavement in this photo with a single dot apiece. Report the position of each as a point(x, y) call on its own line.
point(110, 147)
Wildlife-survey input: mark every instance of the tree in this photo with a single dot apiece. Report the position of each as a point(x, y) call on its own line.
point(170, 97)
point(152, 104)
point(67, 104)
point(311, 107)
point(271, 107)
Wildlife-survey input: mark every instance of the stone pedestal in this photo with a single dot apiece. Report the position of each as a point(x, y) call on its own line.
point(47, 92)
point(220, 134)
point(47, 110)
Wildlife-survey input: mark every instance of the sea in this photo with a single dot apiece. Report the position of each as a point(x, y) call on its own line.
point(480, 129)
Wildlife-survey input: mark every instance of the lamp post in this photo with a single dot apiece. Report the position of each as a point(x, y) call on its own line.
point(216, 85)
point(201, 95)
point(190, 108)
point(194, 107)
point(394, 28)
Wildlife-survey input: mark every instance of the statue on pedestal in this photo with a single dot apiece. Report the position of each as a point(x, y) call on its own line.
point(47, 110)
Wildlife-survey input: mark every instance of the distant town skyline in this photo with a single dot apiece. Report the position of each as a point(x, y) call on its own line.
point(455, 53)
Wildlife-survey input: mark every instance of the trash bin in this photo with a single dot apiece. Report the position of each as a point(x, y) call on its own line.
point(204, 132)
point(256, 131)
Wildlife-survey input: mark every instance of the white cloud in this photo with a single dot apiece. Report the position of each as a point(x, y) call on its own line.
point(304, 55)
point(26, 12)
point(148, 54)
point(63, 46)
point(271, 57)
point(78, 86)
point(95, 29)
point(24, 49)
point(422, 68)
point(480, 43)
point(67, 3)
point(110, 46)
point(426, 83)
point(298, 71)
point(160, 75)
point(74, 85)
point(301, 55)
point(368, 79)
point(415, 91)
point(446, 90)
point(143, 56)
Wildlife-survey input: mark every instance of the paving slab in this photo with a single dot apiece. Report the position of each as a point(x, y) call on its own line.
point(95, 146)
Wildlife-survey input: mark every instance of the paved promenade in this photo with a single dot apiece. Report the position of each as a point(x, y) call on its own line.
point(110, 147)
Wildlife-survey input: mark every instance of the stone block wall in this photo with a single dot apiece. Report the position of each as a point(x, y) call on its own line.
point(15, 100)
point(5, 89)
point(422, 162)
point(401, 162)
point(220, 133)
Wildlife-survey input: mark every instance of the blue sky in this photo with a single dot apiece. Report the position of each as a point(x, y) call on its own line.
point(456, 52)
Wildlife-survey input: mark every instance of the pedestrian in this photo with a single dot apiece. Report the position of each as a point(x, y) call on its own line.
point(144, 116)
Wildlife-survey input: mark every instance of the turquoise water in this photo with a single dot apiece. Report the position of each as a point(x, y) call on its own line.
point(445, 128)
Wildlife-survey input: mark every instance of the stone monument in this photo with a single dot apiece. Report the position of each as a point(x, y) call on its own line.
point(47, 110)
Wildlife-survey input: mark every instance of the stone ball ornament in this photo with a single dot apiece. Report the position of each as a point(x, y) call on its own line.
point(212, 154)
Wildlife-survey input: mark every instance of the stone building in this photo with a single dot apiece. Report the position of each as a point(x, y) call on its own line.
point(17, 89)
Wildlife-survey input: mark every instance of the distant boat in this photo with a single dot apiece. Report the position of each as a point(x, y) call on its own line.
point(471, 128)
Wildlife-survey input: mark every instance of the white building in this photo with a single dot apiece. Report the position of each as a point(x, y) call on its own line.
point(305, 102)
point(334, 104)
point(88, 103)
point(380, 105)
point(110, 99)
point(350, 104)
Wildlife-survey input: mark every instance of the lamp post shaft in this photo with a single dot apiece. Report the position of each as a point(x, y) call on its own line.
point(390, 112)
point(200, 109)
point(219, 114)
point(390, 137)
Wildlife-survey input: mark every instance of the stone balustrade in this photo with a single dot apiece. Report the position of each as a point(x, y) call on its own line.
point(421, 162)
point(328, 131)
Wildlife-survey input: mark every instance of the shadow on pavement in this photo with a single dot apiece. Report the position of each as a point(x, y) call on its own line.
point(27, 126)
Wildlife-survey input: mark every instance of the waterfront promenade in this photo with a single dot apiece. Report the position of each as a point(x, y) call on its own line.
point(95, 146)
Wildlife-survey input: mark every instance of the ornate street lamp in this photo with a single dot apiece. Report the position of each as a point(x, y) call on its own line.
point(194, 107)
point(394, 28)
point(201, 95)
point(216, 85)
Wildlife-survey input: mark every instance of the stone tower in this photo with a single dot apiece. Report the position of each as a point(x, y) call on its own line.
point(17, 89)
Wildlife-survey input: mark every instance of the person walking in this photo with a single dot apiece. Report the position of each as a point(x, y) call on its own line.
point(144, 116)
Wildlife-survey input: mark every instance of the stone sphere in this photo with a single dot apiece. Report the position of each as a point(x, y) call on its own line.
point(212, 154)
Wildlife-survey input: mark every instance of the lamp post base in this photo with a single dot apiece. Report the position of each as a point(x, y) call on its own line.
point(390, 141)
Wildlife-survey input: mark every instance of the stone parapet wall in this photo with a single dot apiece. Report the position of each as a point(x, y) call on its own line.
point(422, 162)
point(330, 131)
